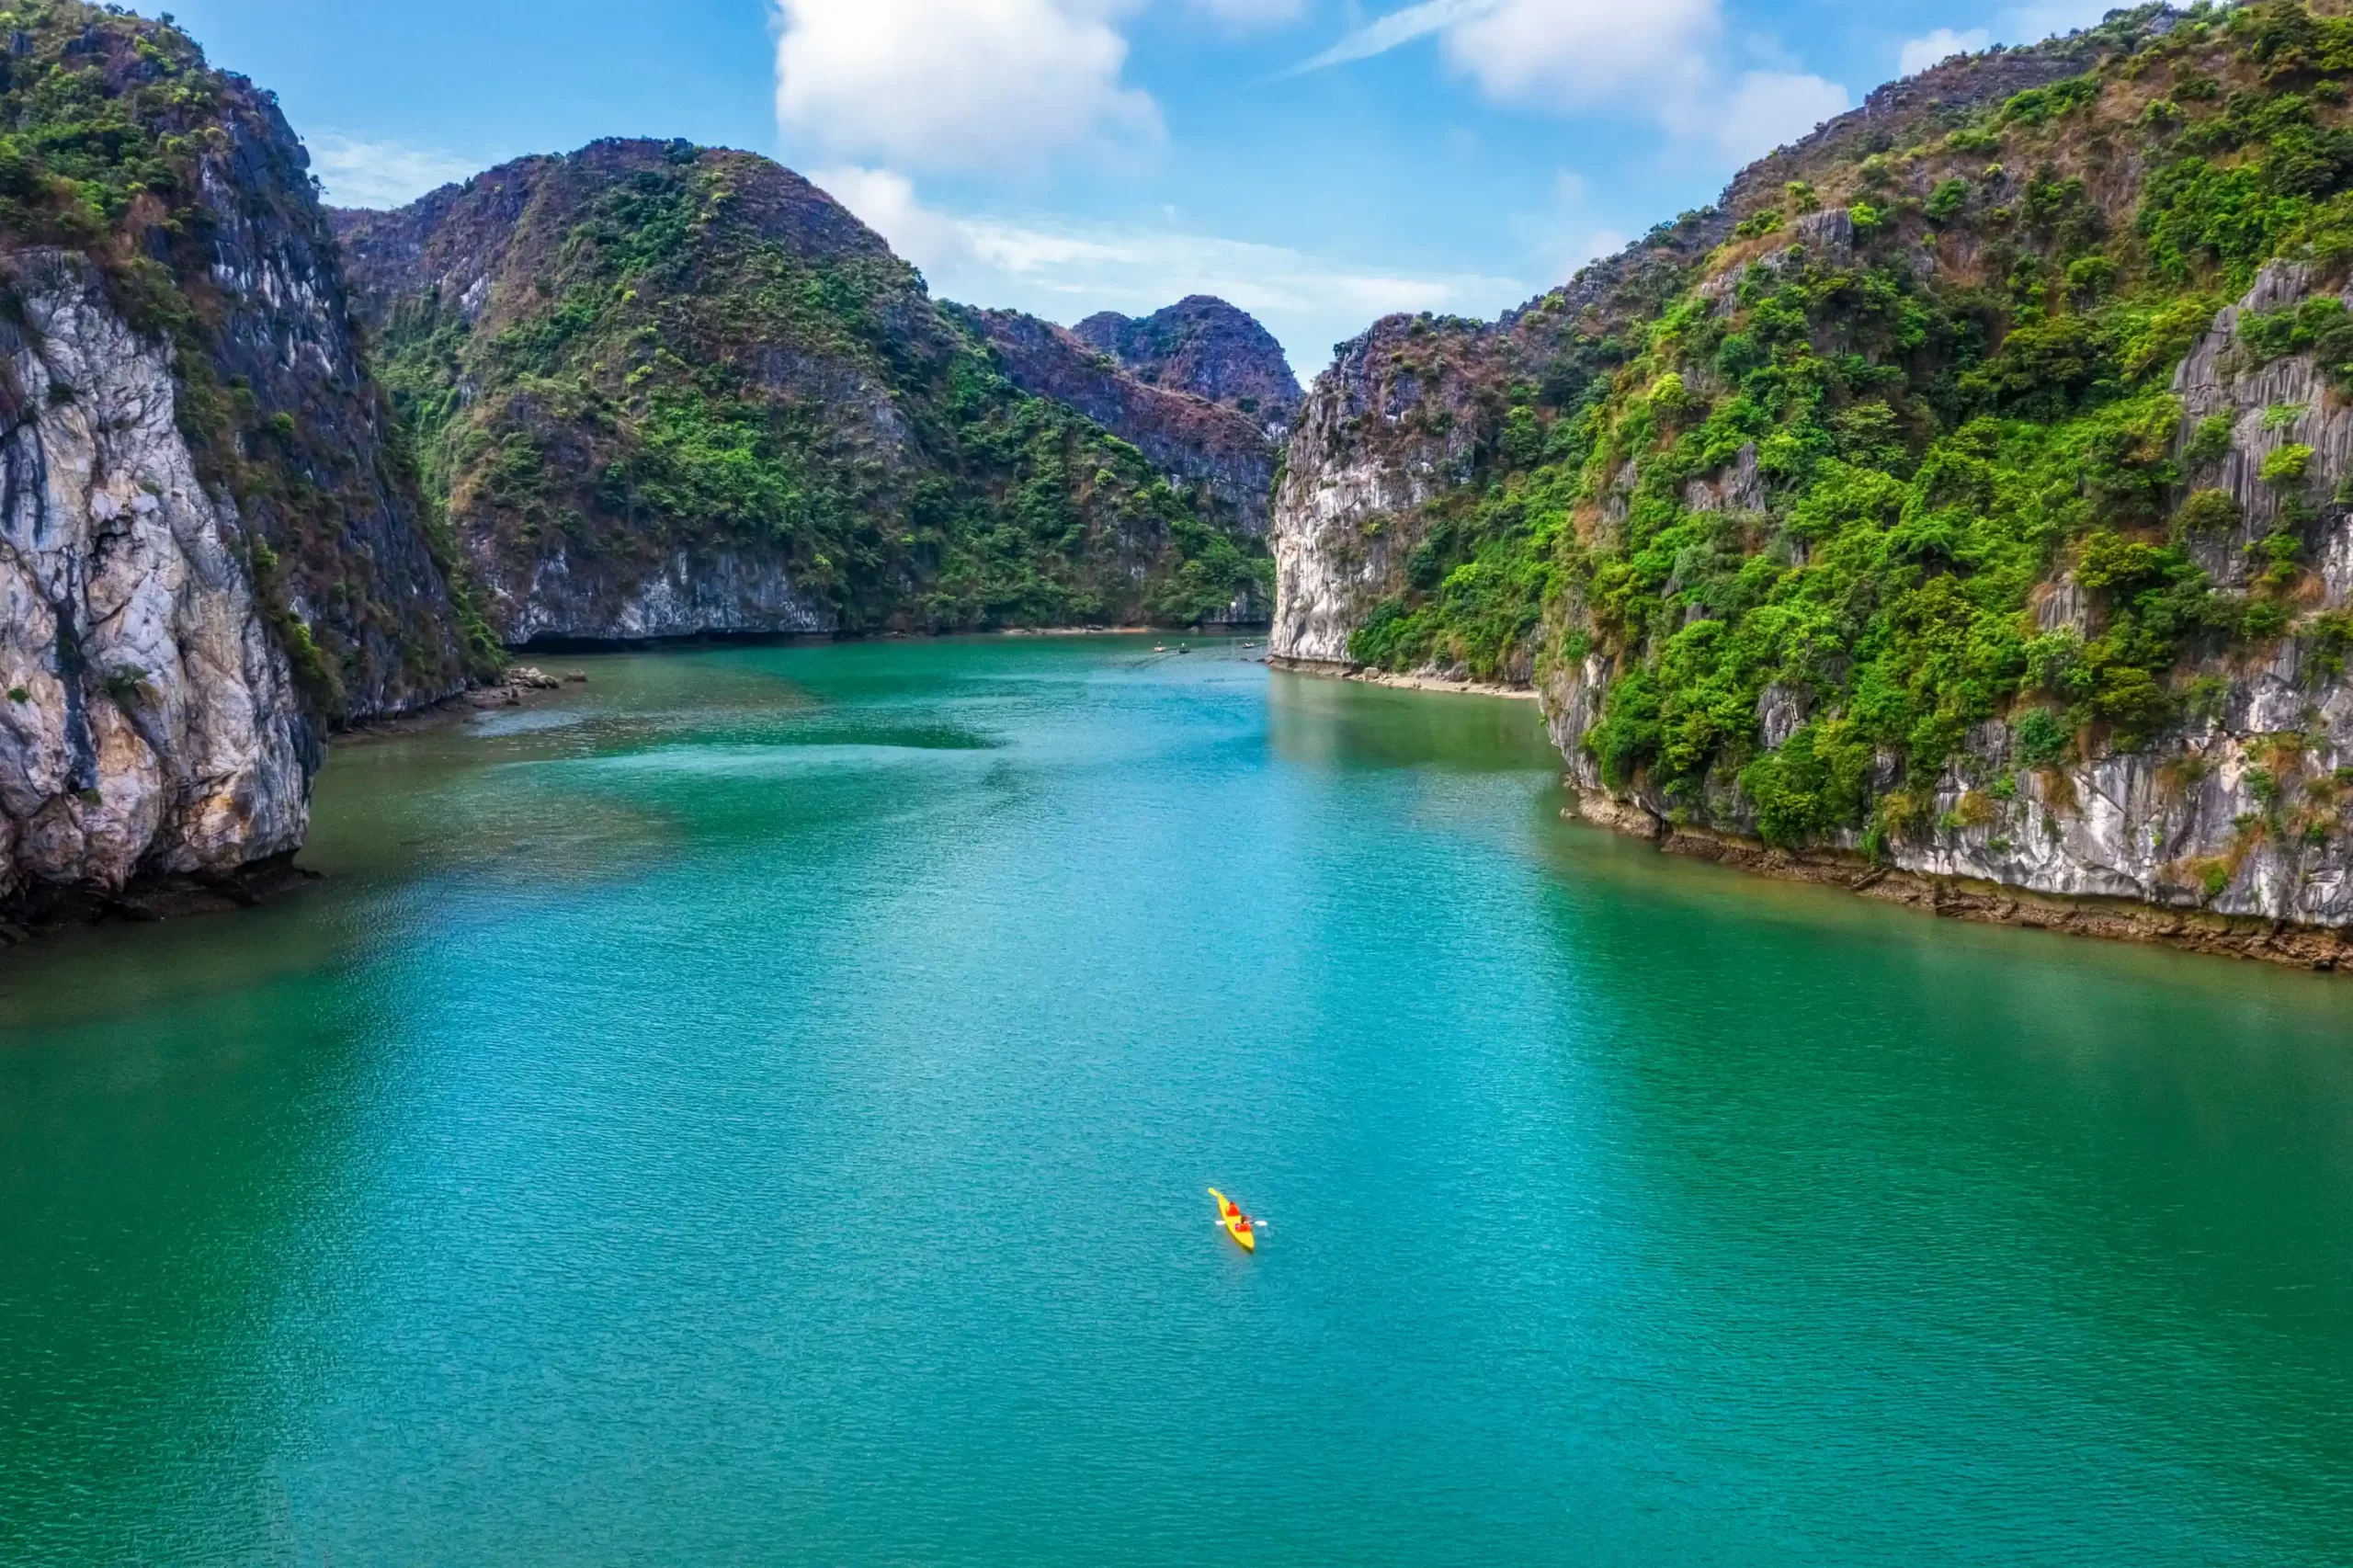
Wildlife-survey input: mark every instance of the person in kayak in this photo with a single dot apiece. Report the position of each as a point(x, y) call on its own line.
point(1230, 1215)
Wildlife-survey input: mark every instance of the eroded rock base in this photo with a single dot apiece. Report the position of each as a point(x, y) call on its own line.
point(1992, 904)
point(46, 907)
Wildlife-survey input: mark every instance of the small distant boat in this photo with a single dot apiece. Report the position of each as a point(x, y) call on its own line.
point(1237, 1224)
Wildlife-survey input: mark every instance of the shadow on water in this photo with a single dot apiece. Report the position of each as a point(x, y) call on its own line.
point(2007, 1214)
point(1317, 721)
point(173, 1174)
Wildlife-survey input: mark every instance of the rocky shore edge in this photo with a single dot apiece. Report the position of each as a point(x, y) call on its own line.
point(1986, 903)
point(1954, 898)
point(47, 907)
point(1334, 669)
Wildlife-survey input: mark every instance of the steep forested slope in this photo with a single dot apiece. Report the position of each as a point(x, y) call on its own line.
point(1228, 455)
point(668, 389)
point(1932, 497)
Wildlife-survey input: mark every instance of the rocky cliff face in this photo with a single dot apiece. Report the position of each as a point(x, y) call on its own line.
point(150, 721)
point(669, 390)
point(1960, 512)
point(209, 553)
point(1198, 442)
point(301, 438)
point(1411, 415)
point(1203, 345)
point(1392, 427)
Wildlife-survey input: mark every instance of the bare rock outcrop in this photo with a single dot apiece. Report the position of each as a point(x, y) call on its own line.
point(1396, 421)
point(150, 723)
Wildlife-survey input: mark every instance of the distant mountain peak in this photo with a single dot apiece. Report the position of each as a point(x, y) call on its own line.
point(666, 389)
point(1203, 346)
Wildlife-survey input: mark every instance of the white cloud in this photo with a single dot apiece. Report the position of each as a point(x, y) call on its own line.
point(1660, 58)
point(1558, 54)
point(1930, 48)
point(1566, 54)
point(1064, 271)
point(1766, 109)
point(2040, 19)
point(1593, 248)
point(957, 84)
point(1397, 29)
point(382, 174)
point(1547, 53)
point(1569, 187)
point(885, 202)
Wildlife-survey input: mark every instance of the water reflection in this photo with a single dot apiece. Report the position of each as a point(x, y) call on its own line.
point(1320, 722)
point(2081, 1201)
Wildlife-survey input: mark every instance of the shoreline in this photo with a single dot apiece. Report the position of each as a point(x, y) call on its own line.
point(1333, 669)
point(2317, 947)
point(581, 647)
point(36, 909)
point(40, 908)
point(512, 692)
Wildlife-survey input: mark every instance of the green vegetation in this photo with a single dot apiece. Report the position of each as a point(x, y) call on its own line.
point(127, 685)
point(678, 377)
point(2286, 465)
point(1973, 498)
point(80, 153)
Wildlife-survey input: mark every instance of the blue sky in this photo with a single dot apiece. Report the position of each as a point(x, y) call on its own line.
point(1318, 161)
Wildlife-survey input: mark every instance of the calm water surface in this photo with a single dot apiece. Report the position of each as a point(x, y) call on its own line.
point(757, 1109)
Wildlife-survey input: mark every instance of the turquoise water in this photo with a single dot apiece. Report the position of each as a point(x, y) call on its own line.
point(755, 1109)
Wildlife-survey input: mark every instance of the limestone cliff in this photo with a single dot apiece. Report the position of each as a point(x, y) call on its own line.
point(1397, 432)
point(150, 721)
point(1962, 510)
point(208, 551)
point(2236, 810)
point(1387, 430)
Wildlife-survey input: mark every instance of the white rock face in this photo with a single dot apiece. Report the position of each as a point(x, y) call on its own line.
point(1364, 460)
point(684, 594)
point(149, 723)
point(1333, 543)
point(1739, 488)
point(2212, 819)
point(2270, 406)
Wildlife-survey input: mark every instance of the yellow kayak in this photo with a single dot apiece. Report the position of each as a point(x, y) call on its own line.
point(1236, 1223)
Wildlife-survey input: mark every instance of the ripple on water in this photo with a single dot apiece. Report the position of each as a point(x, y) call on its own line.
point(760, 1110)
